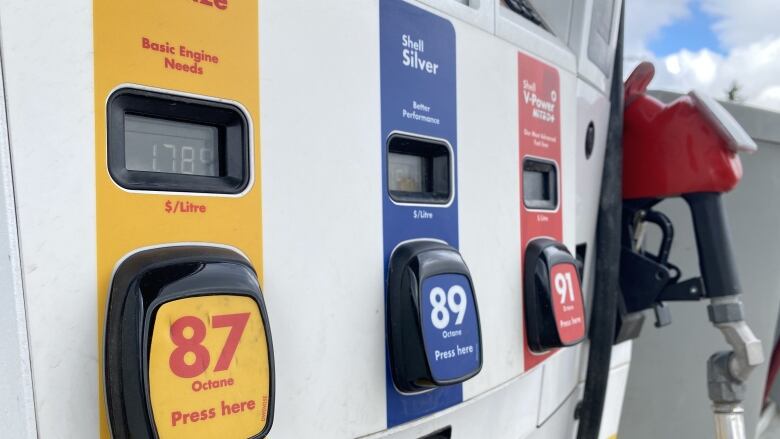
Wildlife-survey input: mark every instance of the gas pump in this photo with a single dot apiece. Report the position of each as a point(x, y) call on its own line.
point(418, 219)
point(689, 149)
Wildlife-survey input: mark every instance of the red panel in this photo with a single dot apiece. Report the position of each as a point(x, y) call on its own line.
point(540, 136)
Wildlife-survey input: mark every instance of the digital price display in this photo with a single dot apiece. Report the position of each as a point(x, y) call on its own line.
point(418, 170)
point(540, 184)
point(165, 142)
point(158, 145)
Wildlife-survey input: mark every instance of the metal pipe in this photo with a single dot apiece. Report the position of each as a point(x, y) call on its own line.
point(729, 422)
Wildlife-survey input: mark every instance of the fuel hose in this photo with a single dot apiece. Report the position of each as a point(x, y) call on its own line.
point(607, 276)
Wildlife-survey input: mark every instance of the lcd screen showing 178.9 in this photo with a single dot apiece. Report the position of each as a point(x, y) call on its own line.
point(158, 145)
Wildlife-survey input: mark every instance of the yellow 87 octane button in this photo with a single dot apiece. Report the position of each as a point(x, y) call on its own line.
point(189, 323)
point(208, 368)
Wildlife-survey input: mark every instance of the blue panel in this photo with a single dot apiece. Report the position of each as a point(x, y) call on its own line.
point(417, 56)
point(450, 327)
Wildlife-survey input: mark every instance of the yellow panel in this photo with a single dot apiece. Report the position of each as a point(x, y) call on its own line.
point(124, 31)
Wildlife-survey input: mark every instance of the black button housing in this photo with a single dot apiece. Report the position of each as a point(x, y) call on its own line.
point(141, 285)
point(428, 279)
point(549, 322)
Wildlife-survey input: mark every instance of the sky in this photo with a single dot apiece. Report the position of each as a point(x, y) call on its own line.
point(708, 45)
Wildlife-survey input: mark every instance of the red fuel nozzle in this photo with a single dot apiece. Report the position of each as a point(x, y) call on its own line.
point(689, 145)
point(687, 148)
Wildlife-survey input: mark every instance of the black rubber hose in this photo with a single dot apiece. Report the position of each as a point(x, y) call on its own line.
point(607, 277)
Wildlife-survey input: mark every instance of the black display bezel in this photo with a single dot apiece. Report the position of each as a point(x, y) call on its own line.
point(428, 149)
point(532, 164)
point(232, 133)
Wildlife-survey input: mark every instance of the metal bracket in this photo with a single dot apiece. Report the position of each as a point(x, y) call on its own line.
point(688, 290)
point(648, 280)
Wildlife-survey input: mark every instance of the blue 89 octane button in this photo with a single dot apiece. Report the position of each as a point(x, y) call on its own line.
point(450, 327)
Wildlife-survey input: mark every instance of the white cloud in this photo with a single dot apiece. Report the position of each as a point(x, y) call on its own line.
point(673, 65)
point(755, 67)
point(748, 29)
point(742, 22)
point(768, 98)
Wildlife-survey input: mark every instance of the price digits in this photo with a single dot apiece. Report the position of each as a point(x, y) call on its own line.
point(191, 358)
point(183, 159)
point(453, 301)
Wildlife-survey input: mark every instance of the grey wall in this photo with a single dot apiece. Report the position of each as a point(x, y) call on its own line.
point(666, 394)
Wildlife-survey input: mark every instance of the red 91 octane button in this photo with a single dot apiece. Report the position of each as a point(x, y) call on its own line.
point(567, 303)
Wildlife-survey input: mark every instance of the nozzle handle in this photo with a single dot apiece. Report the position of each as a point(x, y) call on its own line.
point(713, 241)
